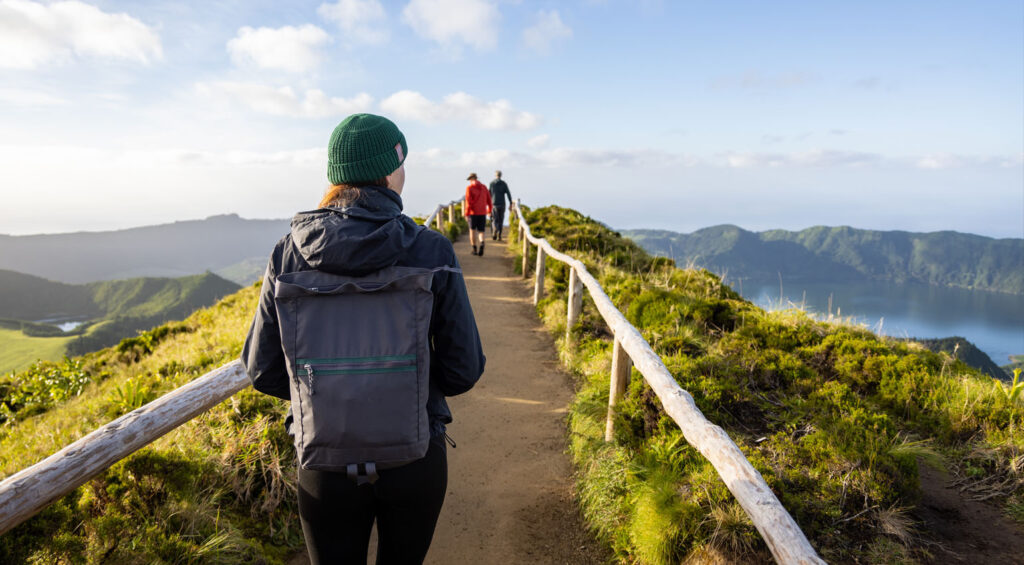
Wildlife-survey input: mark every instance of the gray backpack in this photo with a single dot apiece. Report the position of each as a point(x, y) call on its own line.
point(358, 361)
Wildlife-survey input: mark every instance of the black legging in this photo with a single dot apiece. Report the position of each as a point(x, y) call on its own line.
point(337, 516)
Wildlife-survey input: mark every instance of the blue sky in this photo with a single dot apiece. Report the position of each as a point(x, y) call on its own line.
point(675, 115)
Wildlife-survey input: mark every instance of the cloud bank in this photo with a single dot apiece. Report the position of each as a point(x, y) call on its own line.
point(283, 101)
point(453, 23)
point(34, 35)
point(360, 21)
point(288, 48)
point(547, 30)
point(459, 106)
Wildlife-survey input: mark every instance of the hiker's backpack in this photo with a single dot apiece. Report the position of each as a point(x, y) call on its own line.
point(358, 361)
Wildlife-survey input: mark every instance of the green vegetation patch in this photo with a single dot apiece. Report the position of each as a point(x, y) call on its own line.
point(219, 489)
point(834, 417)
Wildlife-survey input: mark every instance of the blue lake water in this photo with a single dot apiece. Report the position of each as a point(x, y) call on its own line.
point(992, 321)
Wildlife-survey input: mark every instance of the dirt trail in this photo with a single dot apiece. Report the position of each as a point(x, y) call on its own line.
point(967, 531)
point(509, 489)
point(509, 480)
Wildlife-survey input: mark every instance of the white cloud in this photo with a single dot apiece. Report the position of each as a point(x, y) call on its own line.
point(284, 101)
point(22, 97)
point(555, 158)
point(291, 49)
point(361, 21)
point(34, 34)
point(951, 161)
point(817, 158)
point(753, 80)
point(454, 22)
point(496, 115)
point(548, 29)
point(539, 142)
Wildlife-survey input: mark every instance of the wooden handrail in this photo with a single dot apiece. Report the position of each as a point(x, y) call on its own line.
point(28, 491)
point(784, 538)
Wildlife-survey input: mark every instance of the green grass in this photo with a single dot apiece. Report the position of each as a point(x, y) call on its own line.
point(125, 306)
point(219, 489)
point(18, 351)
point(834, 417)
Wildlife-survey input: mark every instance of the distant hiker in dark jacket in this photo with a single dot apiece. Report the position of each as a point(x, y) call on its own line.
point(360, 229)
point(476, 209)
point(499, 192)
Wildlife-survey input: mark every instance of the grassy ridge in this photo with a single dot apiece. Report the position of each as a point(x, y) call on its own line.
point(116, 309)
point(219, 489)
point(835, 418)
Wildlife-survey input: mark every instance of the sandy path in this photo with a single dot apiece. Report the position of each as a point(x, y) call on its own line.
point(509, 490)
point(509, 485)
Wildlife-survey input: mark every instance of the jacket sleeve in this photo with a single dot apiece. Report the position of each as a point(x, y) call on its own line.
point(487, 195)
point(466, 203)
point(262, 354)
point(457, 357)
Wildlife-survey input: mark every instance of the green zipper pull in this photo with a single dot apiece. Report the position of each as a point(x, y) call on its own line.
point(309, 377)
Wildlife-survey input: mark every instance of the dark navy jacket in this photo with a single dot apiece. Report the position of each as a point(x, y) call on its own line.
point(359, 239)
point(499, 192)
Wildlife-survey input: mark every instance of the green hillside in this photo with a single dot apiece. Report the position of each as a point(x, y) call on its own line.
point(824, 254)
point(111, 310)
point(837, 419)
point(967, 352)
point(219, 489)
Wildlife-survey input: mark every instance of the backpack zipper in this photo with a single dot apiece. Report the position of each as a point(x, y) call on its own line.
point(309, 377)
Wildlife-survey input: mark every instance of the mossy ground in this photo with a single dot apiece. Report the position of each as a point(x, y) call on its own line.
point(834, 417)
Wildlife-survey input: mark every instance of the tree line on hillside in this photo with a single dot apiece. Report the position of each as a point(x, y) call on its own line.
point(823, 254)
point(109, 311)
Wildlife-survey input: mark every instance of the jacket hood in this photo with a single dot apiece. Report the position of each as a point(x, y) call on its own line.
point(362, 237)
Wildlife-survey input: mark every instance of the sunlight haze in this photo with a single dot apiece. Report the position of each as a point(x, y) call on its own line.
point(674, 115)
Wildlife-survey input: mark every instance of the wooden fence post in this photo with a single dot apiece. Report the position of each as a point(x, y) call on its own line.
point(451, 213)
point(575, 302)
point(440, 227)
point(538, 285)
point(621, 366)
point(526, 252)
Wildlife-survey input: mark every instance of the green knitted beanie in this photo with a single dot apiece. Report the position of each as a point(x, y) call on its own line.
point(364, 147)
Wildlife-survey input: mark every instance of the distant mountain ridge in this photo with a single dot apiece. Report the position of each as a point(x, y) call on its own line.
point(226, 244)
point(27, 297)
point(823, 254)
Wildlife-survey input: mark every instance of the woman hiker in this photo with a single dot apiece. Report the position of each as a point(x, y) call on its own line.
point(359, 230)
point(476, 209)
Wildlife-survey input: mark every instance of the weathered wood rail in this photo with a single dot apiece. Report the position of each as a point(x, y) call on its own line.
point(30, 490)
point(781, 533)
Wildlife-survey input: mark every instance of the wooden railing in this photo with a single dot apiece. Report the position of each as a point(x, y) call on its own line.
point(30, 490)
point(784, 538)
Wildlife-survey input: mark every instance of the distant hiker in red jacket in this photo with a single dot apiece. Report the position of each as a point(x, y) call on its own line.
point(476, 210)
